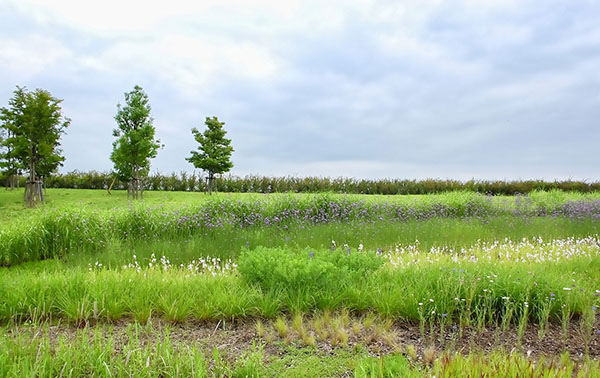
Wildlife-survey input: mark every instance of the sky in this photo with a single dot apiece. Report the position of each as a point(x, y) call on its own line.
point(417, 89)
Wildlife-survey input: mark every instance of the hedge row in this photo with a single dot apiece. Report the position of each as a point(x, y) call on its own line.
point(261, 184)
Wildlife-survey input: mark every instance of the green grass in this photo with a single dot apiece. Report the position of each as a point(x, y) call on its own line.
point(146, 352)
point(95, 354)
point(13, 207)
point(221, 225)
point(83, 249)
point(462, 259)
point(480, 286)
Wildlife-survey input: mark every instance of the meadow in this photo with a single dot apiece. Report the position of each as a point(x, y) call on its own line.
point(242, 284)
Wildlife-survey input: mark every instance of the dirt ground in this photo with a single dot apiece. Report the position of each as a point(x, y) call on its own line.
point(235, 337)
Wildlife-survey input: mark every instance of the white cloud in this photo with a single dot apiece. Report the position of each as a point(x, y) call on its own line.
point(26, 57)
point(142, 17)
point(192, 64)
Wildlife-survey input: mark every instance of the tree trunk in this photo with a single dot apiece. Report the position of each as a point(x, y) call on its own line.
point(33, 188)
point(11, 181)
point(211, 177)
point(134, 185)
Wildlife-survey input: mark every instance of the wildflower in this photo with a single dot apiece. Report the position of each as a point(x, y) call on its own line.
point(311, 254)
point(420, 303)
point(566, 288)
point(430, 299)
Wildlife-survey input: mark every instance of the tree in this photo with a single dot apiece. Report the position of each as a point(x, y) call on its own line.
point(135, 145)
point(214, 152)
point(9, 163)
point(33, 125)
point(8, 166)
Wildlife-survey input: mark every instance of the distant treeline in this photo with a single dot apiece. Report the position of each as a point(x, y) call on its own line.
point(261, 184)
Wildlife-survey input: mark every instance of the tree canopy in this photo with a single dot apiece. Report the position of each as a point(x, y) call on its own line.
point(214, 150)
point(136, 143)
point(33, 124)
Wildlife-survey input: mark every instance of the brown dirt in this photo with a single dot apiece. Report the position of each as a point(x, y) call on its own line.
point(232, 338)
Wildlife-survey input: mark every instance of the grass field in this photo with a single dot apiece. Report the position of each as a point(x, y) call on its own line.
point(371, 286)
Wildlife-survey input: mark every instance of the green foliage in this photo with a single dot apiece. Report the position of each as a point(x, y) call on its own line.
point(135, 144)
point(78, 223)
point(310, 363)
point(307, 270)
point(99, 353)
point(463, 293)
point(214, 151)
point(33, 124)
point(263, 184)
point(9, 164)
point(11, 119)
point(500, 363)
point(390, 366)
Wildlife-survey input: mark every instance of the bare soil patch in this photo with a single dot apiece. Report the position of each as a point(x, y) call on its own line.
point(233, 337)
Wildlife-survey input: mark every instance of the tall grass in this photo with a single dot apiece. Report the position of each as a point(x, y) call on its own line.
point(145, 352)
point(498, 363)
point(58, 232)
point(480, 286)
point(104, 352)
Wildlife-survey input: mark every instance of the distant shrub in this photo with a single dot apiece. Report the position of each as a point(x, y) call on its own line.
point(262, 184)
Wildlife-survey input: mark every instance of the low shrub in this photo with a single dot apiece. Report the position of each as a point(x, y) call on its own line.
point(292, 270)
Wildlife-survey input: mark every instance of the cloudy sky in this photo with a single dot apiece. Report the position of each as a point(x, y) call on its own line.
point(356, 88)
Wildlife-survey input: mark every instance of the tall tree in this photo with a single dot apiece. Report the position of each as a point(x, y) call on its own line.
point(9, 165)
point(214, 151)
point(135, 144)
point(9, 118)
point(34, 124)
